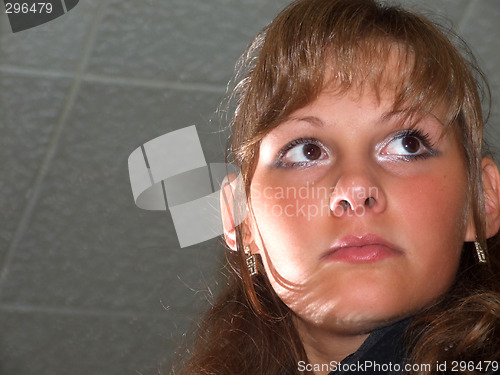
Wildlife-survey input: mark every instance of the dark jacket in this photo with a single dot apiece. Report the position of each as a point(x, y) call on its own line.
point(383, 352)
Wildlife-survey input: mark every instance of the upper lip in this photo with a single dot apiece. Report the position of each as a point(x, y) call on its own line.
point(359, 241)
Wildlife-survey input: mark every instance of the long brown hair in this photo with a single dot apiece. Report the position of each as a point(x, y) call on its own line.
point(249, 330)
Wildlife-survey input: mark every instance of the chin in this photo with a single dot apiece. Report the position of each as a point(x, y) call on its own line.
point(362, 323)
point(363, 315)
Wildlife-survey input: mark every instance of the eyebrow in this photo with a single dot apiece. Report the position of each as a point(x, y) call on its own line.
point(385, 117)
point(389, 115)
point(313, 120)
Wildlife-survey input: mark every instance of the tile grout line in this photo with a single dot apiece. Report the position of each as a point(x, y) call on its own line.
point(82, 312)
point(50, 151)
point(35, 72)
point(118, 80)
point(150, 83)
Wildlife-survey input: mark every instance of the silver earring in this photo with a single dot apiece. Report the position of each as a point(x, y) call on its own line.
point(250, 261)
point(481, 255)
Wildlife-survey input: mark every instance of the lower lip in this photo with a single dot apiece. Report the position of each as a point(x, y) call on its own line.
point(361, 254)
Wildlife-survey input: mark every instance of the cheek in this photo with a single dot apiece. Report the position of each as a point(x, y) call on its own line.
point(287, 219)
point(433, 203)
point(432, 211)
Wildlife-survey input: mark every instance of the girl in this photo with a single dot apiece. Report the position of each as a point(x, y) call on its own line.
point(368, 244)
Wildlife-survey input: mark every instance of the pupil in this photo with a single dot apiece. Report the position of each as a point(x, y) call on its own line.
point(411, 144)
point(312, 152)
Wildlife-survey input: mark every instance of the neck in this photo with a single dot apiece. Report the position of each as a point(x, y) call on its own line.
point(324, 346)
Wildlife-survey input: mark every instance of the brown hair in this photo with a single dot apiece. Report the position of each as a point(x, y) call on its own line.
point(249, 330)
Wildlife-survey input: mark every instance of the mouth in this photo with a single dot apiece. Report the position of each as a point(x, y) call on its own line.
point(367, 248)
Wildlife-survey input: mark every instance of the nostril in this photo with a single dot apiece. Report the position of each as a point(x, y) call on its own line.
point(370, 202)
point(344, 204)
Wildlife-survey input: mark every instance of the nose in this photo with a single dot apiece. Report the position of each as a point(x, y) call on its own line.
point(358, 194)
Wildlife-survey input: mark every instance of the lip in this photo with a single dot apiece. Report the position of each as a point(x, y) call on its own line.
point(368, 248)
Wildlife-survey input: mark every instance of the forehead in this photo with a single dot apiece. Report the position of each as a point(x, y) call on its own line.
point(388, 77)
point(333, 110)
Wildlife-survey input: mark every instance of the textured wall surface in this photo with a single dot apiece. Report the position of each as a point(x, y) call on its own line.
point(89, 283)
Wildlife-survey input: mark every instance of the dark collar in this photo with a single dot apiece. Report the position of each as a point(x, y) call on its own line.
point(383, 351)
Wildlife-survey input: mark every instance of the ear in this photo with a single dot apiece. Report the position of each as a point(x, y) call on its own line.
point(231, 217)
point(227, 207)
point(491, 187)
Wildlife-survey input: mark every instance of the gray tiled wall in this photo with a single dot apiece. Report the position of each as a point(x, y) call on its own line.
point(89, 283)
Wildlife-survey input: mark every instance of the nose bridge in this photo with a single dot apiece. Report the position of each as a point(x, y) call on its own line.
point(357, 186)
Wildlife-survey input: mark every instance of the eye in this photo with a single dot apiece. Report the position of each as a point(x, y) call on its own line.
point(301, 152)
point(409, 144)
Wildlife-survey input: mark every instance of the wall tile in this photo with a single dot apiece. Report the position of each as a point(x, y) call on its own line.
point(55, 45)
point(441, 11)
point(61, 344)
point(88, 246)
point(481, 31)
point(29, 109)
point(177, 40)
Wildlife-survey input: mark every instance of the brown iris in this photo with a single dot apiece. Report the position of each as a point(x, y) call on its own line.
point(411, 144)
point(311, 151)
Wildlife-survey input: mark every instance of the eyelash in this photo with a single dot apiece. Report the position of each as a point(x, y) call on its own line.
point(424, 139)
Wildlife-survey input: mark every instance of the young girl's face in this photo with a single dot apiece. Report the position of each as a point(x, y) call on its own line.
point(359, 219)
